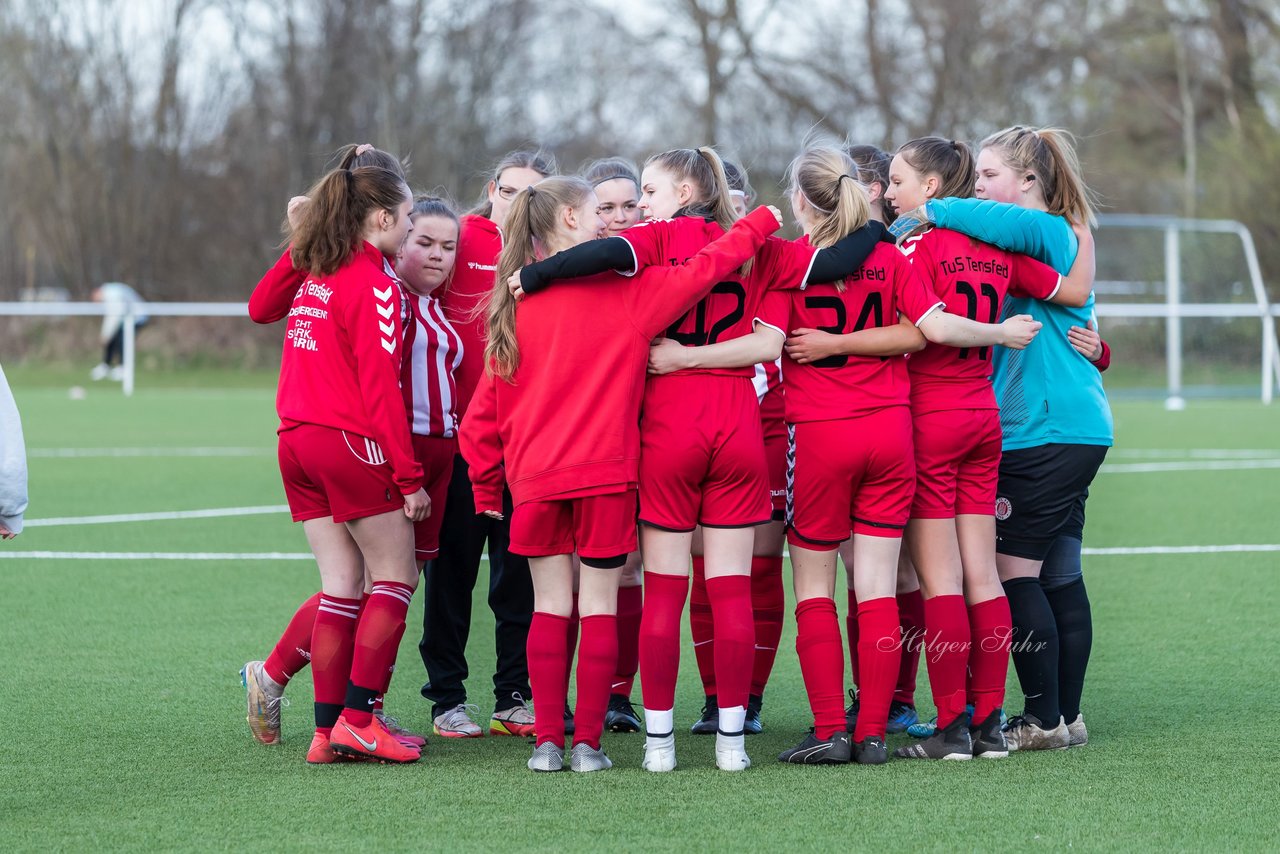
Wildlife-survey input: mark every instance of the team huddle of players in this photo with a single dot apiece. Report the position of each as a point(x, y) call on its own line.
point(622, 380)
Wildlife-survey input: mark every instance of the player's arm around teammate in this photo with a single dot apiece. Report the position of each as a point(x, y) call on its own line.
point(617, 186)
point(465, 537)
point(852, 467)
point(955, 423)
point(1056, 423)
point(574, 488)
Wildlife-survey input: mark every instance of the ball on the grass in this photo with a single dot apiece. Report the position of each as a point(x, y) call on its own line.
point(76, 392)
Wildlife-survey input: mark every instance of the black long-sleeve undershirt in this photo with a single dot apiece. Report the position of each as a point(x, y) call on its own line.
point(614, 253)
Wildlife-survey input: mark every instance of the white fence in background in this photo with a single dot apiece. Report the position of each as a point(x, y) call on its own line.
point(1173, 309)
point(152, 309)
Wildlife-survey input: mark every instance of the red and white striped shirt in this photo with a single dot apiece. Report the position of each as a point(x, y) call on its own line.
point(435, 354)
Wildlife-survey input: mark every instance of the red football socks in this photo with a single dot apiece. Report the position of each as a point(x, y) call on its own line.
point(768, 607)
point(332, 644)
point(376, 644)
point(735, 637)
point(597, 659)
point(851, 629)
point(630, 602)
point(293, 650)
point(990, 627)
point(821, 663)
point(911, 619)
point(547, 649)
point(571, 640)
point(664, 597)
point(702, 627)
point(879, 652)
point(947, 620)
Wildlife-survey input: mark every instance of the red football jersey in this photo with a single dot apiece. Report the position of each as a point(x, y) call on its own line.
point(343, 354)
point(465, 296)
point(732, 307)
point(846, 386)
point(972, 279)
point(569, 423)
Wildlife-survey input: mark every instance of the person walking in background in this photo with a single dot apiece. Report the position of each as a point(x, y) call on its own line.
point(122, 302)
point(13, 465)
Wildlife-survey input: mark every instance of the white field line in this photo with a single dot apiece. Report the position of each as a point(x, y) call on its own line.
point(1190, 465)
point(72, 453)
point(1182, 550)
point(284, 556)
point(215, 513)
point(1193, 453)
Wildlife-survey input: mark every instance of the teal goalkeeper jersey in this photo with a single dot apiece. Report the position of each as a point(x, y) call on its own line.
point(1048, 393)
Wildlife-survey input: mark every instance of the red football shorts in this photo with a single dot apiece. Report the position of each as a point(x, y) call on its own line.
point(957, 463)
point(330, 472)
point(851, 475)
point(774, 426)
point(596, 526)
point(436, 456)
point(702, 454)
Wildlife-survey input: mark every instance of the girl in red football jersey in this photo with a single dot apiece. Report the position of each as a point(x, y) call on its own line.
point(956, 432)
point(701, 466)
point(768, 596)
point(574, 487)
point(265, 681)
point(852, 464)
point(873, 174)
point(345, 452)
point(617, 187)
point(450, 579)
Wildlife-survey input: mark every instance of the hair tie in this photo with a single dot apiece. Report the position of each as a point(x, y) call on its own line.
point(363, 148)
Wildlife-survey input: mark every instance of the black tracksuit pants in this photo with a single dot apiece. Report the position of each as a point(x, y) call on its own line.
point(446, 616)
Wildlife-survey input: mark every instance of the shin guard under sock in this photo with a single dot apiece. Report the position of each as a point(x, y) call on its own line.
point(821, 654)
point(1035, 648)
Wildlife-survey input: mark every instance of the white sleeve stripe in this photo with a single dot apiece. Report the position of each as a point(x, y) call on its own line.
point(937, 306)
point(635, 259)
point(768, 325)
point(1056, 288)
point(804, 283)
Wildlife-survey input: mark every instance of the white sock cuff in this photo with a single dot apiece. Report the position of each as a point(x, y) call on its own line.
point(659, 721)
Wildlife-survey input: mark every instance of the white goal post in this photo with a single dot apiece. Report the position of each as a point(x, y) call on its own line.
point(1174, 309)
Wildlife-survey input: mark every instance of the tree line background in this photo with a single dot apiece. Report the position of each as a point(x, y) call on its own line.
point(156, 141)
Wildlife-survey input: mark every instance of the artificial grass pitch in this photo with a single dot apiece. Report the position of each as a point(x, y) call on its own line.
point(127, 718)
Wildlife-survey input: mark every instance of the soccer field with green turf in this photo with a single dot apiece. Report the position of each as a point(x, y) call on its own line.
point(125, 715)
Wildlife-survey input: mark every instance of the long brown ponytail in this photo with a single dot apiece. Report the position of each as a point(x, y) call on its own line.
point(333, 221)
point(950, 160)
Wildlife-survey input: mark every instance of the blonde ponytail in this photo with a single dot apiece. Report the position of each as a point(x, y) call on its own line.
point(531, 222)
